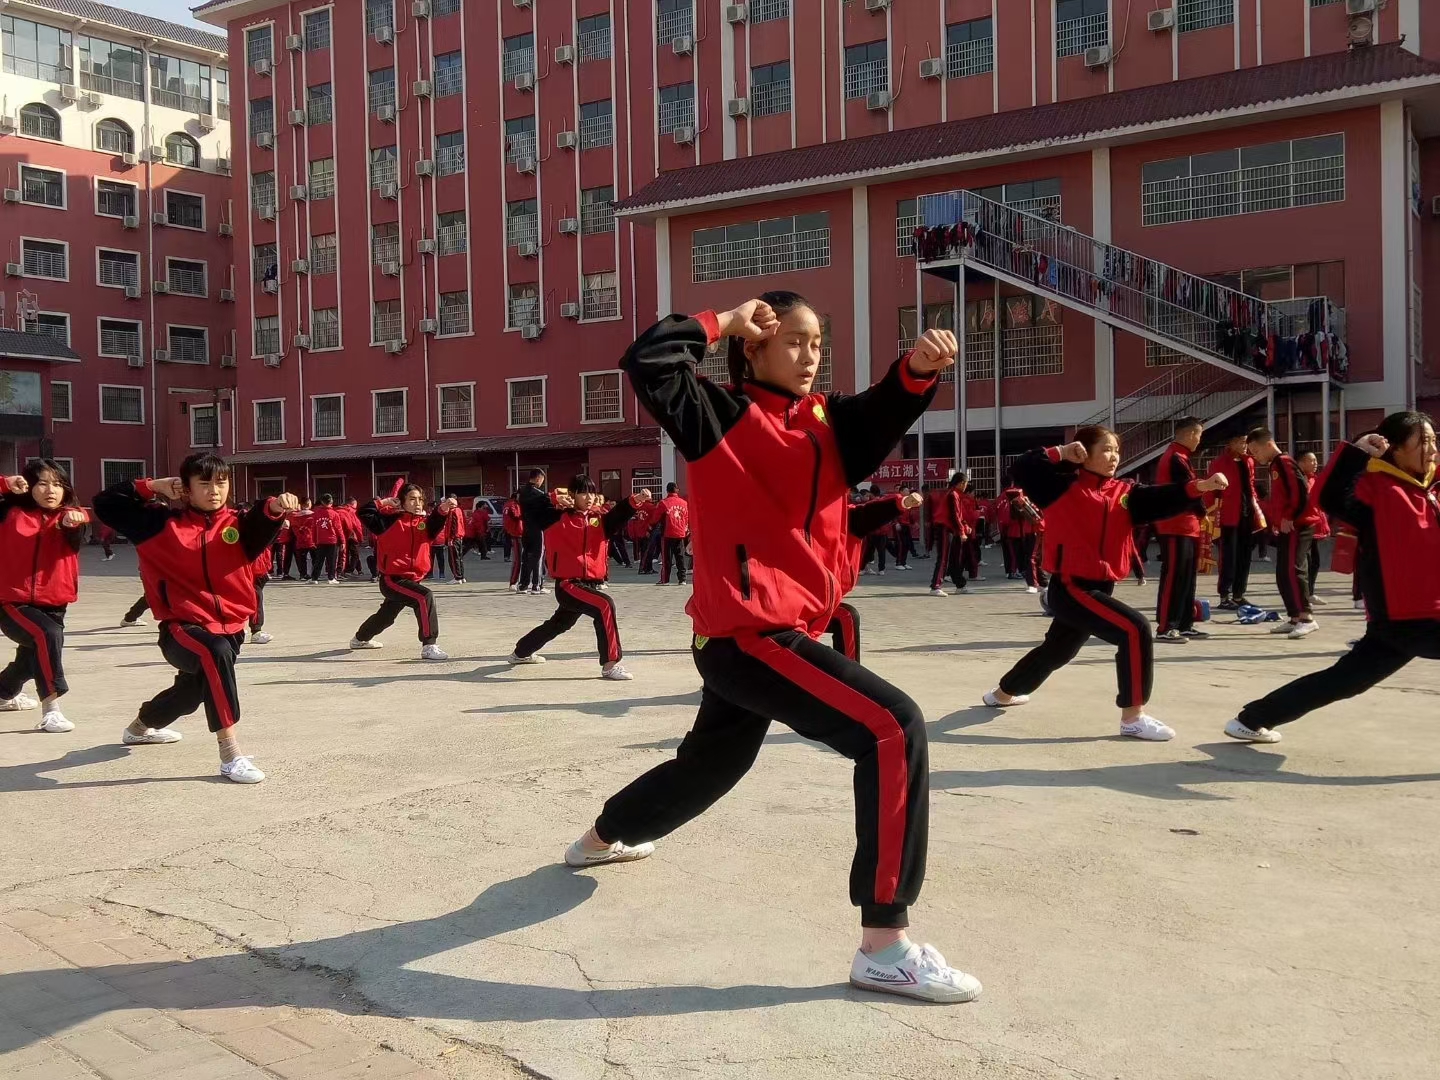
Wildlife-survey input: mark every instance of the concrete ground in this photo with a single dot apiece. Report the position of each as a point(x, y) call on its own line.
point(1197, 909)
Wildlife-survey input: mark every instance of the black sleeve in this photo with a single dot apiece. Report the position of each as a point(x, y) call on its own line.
point(1336, 488)
point(1156, 502)
point(868, 425)
point(1296, 491)
point(75, 537)
point(617, 516)
point(258, 530)
point(7, 500)
point(129, 514)
point(1043, 480)
point(434, 527)
point(696, 413)
point(542, 516)
point(1182, 473)
point(374, 519)
point(866, 517)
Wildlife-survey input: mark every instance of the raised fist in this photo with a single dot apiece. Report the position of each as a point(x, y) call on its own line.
point(1075, 453)
point(168, 487)
point(1218, 482)
point(284, 503)
point(1374, 445)
point(73, 518)
point(17, 485)
point(935, 351)
point(911, 501)
point(643, 498)
point(753, 320)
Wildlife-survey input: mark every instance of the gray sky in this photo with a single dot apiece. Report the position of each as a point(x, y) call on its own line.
point(177, 11)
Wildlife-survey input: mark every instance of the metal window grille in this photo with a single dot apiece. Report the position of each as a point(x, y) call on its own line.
point(640, 479)
point(714, 366)
point(601, 400)
point(267, 335)
point(122, 404)
point(51, 326)
point(905, 226)
point(61, 407)
point(115, 200)
point(674, 114)
point(317, 31)
point(319, 105)
point(189, 346)
point(457, 408)
point(322, 178)
point(866, 78)
point(764, 254)
point(114, 472)
point(108, 84)
point(768, 99)
point(521, 229)
point(597, 217)
point(455, 313)
point(1244, 191)
point(523, 311)
point(450, 160)
point(451, 239)
point(973, 57)
point(382, 90)
point(385, 321)
point(119, 340)
point(39, 122)
point(329, 417)
point(173, 99)
point(518, 61)
point(259, 45)
point(769, 10)
point(117, 268)
point(379, 13)
point(45, 260)
point(187, 279)
point(262, 189)
point(1074, 36)
point(1038, 349)
point(527, 403)
point(384, 244)
point(450, 75)
point(42, 187)
point(444, 7)
point(269, 421)
point(187, 211)
point(182, 150)
point(382, 166)
point(1047, 207)
point(600, 298)
point(670, 25)
point(825, 373)
point(112, 138)
point(262, 261)
point(597, 131)
point(1202, 14)
point(594, 44)
point(390, 412)
point(522, 145)
point(322, 254)
point(325, 329)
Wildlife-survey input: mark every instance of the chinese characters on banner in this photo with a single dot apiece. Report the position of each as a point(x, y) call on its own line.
point(908, 471)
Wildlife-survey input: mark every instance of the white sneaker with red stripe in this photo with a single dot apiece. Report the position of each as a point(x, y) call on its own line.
point(433, 652)
point(921, 973)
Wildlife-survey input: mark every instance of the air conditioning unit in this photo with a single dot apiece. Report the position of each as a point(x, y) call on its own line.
point(261, 67)
point(683, 45)
point(299, 192)
point(222, 165)
point(429, 326)
point(569, 226)
point(390, 268)
point(206, 121)
point(738, 106)
point(878, 101)
point(525, 81)
point(139, 361)
point(7, 124)
point(1164, 19)
point(158, 219)
point(130, 221)
point(1097, 57)
point(132, 292)
point(395, 346)
point(567, 140)
point(565, 54)
point(527, 250)
point(530, 331)
point(156, 153)
point(933, 68)
point(570, 310)
point(735, 13)
point(424, 167)
point(425, 247)
point(1359, 7)
point(162, 356)
point(14, 270)
point(129, 160)
point(390, 190)
point(265, 212)
point(227, 296)
point(385, 114)
point(525, 164)
point(272, 359)
point(69, 92)
point(265, 140)
point(420, 9)
point(422, 87)
point(226, 229)
point(683, 135)
point(271, 286)
point(300, 266)
point(876, 5)
point(12, 194)
point(521, 3)
point(227, 360)
point(294, 42)
point(384, 35)
point(160, 287)
point(302, 341)
point(92, 100)
point(297, 117)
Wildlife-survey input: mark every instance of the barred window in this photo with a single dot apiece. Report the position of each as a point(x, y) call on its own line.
point(450, 233)
point(1202, 14)
point(592, 35)
point(773, 246)
point(597, 124)
point(186, 277)
point(597, 215)
point(322, 178)
point(907, 220)
point(122, 405)
point(770, 89)
point(381, 90)
point(45, 259)
point(867, 68)
point(1031, 337)
point(600, 398)
point(61, 404)
point(319, 104)
point(113, 199)
point(262, 116)
point(317, 30)
point(455, 313)
point(769, 10)
point(262, 190)
point(327, 419)
point(1226, 183)
point(600, 298)
point(40, 122)
point(450, 153)
point(269, 421)
point(267, 335)
point(969, 48)
point(385, 242)
point(527, 402)
point(457, 407)
point(518, 56)
point(379, 13)
point(677, 107)
point(383, 165)
point(325, 328)
point(1081, 25)
point(449, 74)
point(385, 322)
point(522, 222)
point(389, 412)
point(116, 471)
point(119, 268)
point(181, 149)
point(322, 253)
point(114, 137)
point(119, 337)
point(259, 44)
point(264, 262)
point(673, 19)
point(444, 7)
point(50, 324)
point(42, 187)
point(188, 344)
point(523, 308)
point(520, 138)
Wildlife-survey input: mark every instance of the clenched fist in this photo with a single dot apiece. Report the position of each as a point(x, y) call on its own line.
point(934, 352)
point(643, 498)
point(911, 501)
point(445, 506)
point(754, 320)
point(1218, 482)
point(1374, 445)
point(284, 503)
point(168, 487)
point(73, 518)
point(17, 485)
point(1075, 453)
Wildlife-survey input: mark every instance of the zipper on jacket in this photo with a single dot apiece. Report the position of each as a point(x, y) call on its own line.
point(205, 568)
point(814, 485)
point(744, 559)
point(35, 564)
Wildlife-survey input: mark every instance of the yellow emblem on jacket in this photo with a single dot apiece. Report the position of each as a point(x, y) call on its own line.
point(819, 411)
point(593, 522)
point(230, 534)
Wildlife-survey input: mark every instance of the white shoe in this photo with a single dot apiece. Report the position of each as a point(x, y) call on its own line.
point(1031, 589)
point(922, 973)
point(373, 643)
point(1304, 629)
point(260, 637)
point(433, 652)
point(152, 737)
point(54, 722)
point(616, 672)
point(539, 590)
point(132, 622)
point(577, 854)
point(18, 703)
point(1236, 730)
point(1359, 605)
point(990, 699)
point(242, 770)
point(1283, 627)
point(1147, 728)
point(107, 558)
point(332, 581)
point(603, 587)
point(938, 592)
point(533, 658)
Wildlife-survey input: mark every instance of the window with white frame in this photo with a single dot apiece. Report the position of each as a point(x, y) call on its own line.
point(113, 199)
point(385, 321)
point(527, 402)
point(768, 10)
point(518, 56)
point(867, 68)
point(450, 153)
point(61, 403)
point(520, 138)
point(262, 116)
point(122, 405)
point(204, 426)
point(264, 262)
point(600, 398)
point(267, 335)
point(457, 407)
point(600, 296)
point(455, 313)
point(772, 246)
point(118, 269)
point(642, 479)
point(119, 337)
point(39, 122)
point(597, 124)
point(259, 44)
point(317, 30)
point(184, 210)
point(384, 242)
point(322, 179)
point(1203, 14)
point(114, 137)
point(597, 212)
point(1081, 25)
point(35, 50)
point(117, 470)
point(262, 190)
point(45, 259)
point(323, 253)
point(523, 308)
point(186, 277)
point(189, 344)
point(328, 416)
point(325, 328)
point(381, 91)
point(379, 13)
point(673, 18)
point(449, 74)
point(444, 7)
point(450, 233)
point(907, 220)
point(522, 222)
point(389, 412)
point(42, 187)
point(319, 104)
point(1253, 179)
point(270, 421)
point(383, 165)
point(770, 89)
point(182, 150)
point(51, 324)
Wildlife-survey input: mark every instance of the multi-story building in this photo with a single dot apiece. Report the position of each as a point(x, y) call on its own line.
point(115, 327)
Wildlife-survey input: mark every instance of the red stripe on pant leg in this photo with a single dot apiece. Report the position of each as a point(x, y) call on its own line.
point(42, 648)
point(422, 608)
point(847, 630)
point(893, 768)
point(1167, 577)
point(1132, 632)
point(1291, 558)
point(212, 673)
point(942, 556)
point(607, 614)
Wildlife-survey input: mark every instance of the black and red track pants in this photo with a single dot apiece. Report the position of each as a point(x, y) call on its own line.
point(672, 552)
point(575, 600)
point(844, 631)
point(399, 594)
point(205, 675)
point(39, 636)
point(1292, 571)
point(1175, 599)
point(1082, 609)
point(257, 619)
point(821, 695)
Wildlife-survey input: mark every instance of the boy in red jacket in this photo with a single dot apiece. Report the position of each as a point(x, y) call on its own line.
point(40, 532)
point(302, 540)
point(865, 521)
point(403, 538)
point(198, 566)
point(1240, 517)
point(577, 556)
point(676, 527)
point(1297, 516)
point(1179, 541)
point(329, 526)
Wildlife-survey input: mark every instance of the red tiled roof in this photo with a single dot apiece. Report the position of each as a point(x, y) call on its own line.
point(1034, 128)
point(483, 444)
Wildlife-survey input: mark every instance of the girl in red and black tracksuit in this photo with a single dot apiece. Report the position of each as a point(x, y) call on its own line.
point(948, 524)
point(1383, 488)
point(41, 529)
point(577, 558)
point(864, 521)
point(403, 538)
point(198, 566)
point(302, 541)
point(905, 527)
point(1090, 518)
point(770, 465)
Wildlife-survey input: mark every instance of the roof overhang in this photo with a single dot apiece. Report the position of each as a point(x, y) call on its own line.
point(222, 12)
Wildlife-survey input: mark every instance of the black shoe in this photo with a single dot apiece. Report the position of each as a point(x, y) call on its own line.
point(1196, 635)
point(1227, 604)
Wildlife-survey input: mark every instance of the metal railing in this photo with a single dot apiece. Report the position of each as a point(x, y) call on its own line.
point(866, 78)
point(267, 340)
point(597, 218)
point(674, 114)
point(594, 44)
point(41, 263)
point(762, 254)
point(108, 84)
point(451, 239)
point(119, 342)
point(521, 229)
point(119, 271)
point(384, 249)
point(522, 311)
point(1252, 190)
point(189, 349)
point(670, 25)
point(174, 100)
point(597, 131)
point(186, 282)
point(1074, 36)
point(449, 81)
point(521, 145)
point(769, 99)
point(449, 160)
point(905, 226)
point(455, 317)
point(601, 303)
point(518, 62)
point(385, 325)
point(769, 10)
point(59, 331)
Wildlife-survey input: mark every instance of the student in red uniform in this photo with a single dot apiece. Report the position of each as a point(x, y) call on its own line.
point(1295, 516)
point(1179, 541)
point(261, 570)
point(477, 533)
point(1090, 519)
point(280, 549)
point(1309, 466)
point(302, 541)
point(513, 524)
point(770, 465)
point(403, 540)
point(106, 536)
point(1009, 531)
point(577, 559)
point(329, 528)
point(947, 524)
point(676, 518)
point(198, 565)
point(1239, 518)
point(41, 528)
point(905, 526)
point(864, 521)
point(650, 536)
point(1383, 488)
point(972, 533)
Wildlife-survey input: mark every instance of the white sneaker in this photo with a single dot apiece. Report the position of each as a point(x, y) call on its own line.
point(922, 973)
point(107, 558)
point(132, 622)
point(1236, 730)
point(18, 703)
point(1303, 629)
point(1031, 589)
point(990, 699)
point(1147, 728)
point(603, 587)
point(373, 643)
point(54, 722)
point(242, 770)
point(433, 652)
point(260, 637)
point(577, 854)
point(539, 590)
point(616, 673)
point(1282, 627)
point(152, 736)
point(332, 581)
point(879, 573)
point(533, 658)
point(938, 592)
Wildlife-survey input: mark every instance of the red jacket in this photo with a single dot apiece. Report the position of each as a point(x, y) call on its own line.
point(265, 563)
point(350, 520)
point(938, 506)
point(1175, 468)
point(1290, 495)
point(863, 520)
point(38, 560)
point(454, 526)
point(1014, 524)
point(1237, 504)
point(480, 520)
point(302, 529)
point(577, 546)
point(402, 540)
point(329, 526)
point(966, 510)
point(768, 475)
point(1090, 519)
point(1398, 521)
point(677, 517)
point(514, 520)
point(197, 567)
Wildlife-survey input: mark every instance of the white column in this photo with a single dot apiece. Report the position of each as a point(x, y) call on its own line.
point(1394, 270)
point(1101, 222)
point(860, 253)
point(663, 308)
